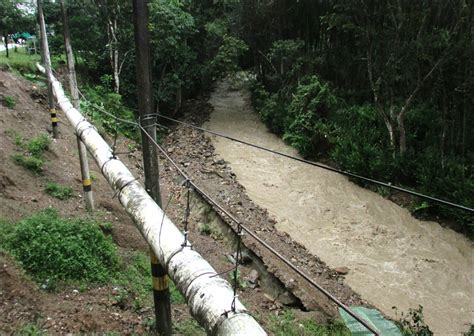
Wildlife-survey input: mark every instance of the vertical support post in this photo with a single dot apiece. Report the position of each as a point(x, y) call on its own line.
point(47, 64)
point(86, 178)
point(161, 294)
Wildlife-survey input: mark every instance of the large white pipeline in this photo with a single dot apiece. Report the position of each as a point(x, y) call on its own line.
point(209, 297)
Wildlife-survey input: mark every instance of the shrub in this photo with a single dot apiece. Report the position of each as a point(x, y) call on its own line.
point(357, 150)
point(227, 57)
point(33, 158)
point(308, 130)
point(55, 250)
point(9, 102)
point(413, 323)
point(58, 191)
point(29, 162)
point(271, 107)
point(100, 98)
point(38, 145)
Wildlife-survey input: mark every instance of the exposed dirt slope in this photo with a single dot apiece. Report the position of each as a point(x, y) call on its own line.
point(22, 193)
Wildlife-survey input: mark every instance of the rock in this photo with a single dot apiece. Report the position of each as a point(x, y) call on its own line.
point(287, 299)
point(230, 258)
point(342, 270)
point(268, 297)
point(253, 276)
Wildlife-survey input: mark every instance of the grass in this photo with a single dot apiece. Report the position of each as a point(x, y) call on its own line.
point(57, 251)
point(287, 324)
point(135, 283)
point(31, 157)
point(19, 60)
point(29, 329)
point(189, 328)
point(31, 163)
point(58, 191)
point(38, 145)
point(9, 102)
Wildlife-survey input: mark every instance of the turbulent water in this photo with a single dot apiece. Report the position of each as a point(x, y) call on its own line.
point(394, 259)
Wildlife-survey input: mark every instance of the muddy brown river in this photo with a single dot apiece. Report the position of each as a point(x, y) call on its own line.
point(394, 259)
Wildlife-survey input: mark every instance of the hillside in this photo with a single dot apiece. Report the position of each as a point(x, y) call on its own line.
point(25, 305)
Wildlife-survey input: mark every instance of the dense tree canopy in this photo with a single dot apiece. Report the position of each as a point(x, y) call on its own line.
point(381, 88)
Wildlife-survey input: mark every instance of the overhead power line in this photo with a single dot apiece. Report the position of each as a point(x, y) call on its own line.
point(319, 165)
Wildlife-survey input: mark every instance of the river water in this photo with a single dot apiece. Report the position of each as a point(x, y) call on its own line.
point(393, 258)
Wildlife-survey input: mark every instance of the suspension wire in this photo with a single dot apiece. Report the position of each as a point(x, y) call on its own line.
point(247, 230)
point(238, 260)
point(319, 165)
point(186, 214)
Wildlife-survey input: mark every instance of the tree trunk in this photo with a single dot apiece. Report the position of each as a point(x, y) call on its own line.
point(6, 43)
point(402, 134)
point(70, 58)
point(116, 71)
point(179, 99)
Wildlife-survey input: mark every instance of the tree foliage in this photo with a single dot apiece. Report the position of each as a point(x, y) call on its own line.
point(383, 88)
point(401, 72)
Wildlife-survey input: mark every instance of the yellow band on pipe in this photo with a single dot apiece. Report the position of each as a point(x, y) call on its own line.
point(86, 182)
point(153, 258)
point(54, 119)
point(160, 283)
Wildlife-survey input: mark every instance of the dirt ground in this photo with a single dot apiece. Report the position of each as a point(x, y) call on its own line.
point(94, 310)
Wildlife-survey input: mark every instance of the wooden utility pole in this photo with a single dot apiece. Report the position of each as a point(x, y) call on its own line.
point(47, 65)
point(86, 177)
point(161, 294)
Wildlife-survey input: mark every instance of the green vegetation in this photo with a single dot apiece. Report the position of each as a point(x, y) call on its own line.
point(135, 285)
point(30, 330)
point(58, 191)
point(240, 281)
point(413, 323)
point(31, 163)
point(31, 157)
point(9, 102)
point(189, 328)
point(471, 331)
point(20, 61)
point(56, 251)
point(38, 145)
point(379, 89)
point(101, 98)
point(286, 324)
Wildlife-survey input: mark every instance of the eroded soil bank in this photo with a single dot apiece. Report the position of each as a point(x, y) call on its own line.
point(393, 258)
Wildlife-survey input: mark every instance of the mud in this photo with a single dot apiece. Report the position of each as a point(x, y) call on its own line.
point(393, 258)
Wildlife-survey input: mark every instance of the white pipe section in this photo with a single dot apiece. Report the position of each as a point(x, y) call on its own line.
point(209, 297)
